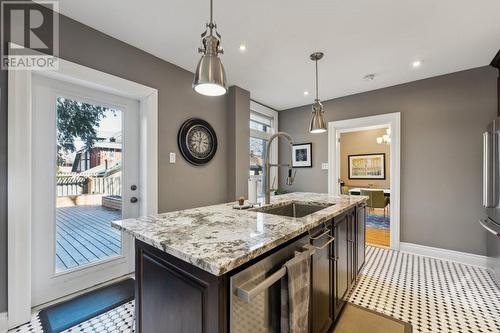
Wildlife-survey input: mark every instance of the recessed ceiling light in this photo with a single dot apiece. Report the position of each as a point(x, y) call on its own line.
point(416, 63)
point(306, 93)
point(243, 47)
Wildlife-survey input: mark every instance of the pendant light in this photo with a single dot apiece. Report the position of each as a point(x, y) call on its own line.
point(318, 124)
point(210, 76)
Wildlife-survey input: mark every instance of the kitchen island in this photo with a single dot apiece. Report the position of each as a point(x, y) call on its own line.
point(185, 259)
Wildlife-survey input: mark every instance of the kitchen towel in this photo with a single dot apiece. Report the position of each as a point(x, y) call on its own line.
point(295, 291)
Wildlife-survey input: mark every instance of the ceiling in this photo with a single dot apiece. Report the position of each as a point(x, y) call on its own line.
point(358, 37)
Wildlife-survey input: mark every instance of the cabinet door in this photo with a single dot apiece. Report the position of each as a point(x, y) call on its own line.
point(360, 235)
point(341, 263)
point(321, 305)
point(351, 248)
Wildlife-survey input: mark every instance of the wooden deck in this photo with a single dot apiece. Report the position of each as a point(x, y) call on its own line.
point(84, 235)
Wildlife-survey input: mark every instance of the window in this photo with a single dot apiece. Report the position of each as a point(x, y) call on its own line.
point(263, 124)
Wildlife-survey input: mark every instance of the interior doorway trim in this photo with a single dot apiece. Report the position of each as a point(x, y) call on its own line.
point(391, 120)
point(19, 165)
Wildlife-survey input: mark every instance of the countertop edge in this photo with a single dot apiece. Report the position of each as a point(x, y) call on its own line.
point(220, 269)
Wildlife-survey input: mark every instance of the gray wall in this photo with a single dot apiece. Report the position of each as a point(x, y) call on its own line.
point(238, 115)
point(180, 185)
point(442, 119)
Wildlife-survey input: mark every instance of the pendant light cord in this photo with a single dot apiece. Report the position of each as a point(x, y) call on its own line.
point(211, 12)
point(211, 25)
point(317, 95)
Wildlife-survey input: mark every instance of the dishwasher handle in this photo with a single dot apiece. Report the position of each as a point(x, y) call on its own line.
point(485, 223)
point(248, 295)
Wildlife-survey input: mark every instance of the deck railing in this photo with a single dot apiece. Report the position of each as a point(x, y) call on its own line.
point(71, 184)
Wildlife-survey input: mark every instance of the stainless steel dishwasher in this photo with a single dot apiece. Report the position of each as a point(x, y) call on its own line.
point(256, 291)
point(256, 311)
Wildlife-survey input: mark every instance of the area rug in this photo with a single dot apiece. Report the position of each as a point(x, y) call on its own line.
point(378, 221)
point(64, 315)
point(355, 319)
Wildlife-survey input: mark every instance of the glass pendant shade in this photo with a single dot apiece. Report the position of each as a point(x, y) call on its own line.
point(318, 123)
point(210, 76)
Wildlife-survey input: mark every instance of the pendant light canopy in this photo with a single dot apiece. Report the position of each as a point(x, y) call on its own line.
point(318, 123)
point(210, 76)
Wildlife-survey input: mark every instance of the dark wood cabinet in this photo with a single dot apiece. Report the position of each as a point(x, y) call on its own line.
point(348, 254)
point(351, 247)
point(322, 279)
point(173, 296)
point(360, 236)
point(341, 263)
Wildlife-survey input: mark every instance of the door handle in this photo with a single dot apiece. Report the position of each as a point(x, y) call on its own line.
point(326, 243)
point(133, 200)
point(488, 177)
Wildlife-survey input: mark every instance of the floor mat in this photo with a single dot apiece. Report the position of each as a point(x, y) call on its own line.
point(355, 318)
point(70, 313)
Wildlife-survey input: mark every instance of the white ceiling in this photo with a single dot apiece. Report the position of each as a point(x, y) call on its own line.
point(358, 37)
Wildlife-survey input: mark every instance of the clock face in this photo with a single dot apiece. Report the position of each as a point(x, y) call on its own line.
point(197, 141)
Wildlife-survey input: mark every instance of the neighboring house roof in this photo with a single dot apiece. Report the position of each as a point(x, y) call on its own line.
point(101, 170)
point(81, 177)
point(108, 145)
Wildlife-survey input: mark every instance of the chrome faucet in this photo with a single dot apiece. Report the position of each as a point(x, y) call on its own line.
point(289, 178)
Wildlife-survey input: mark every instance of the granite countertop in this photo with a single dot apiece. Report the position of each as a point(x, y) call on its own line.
point(219, 238)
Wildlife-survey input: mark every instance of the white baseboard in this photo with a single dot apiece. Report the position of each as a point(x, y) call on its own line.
point(3, 322)
point(443, 254)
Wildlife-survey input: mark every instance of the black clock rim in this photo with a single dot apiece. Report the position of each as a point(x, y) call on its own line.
point(181, 142)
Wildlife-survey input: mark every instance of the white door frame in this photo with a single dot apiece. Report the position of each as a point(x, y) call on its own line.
point(19, 165)
point(392, 120)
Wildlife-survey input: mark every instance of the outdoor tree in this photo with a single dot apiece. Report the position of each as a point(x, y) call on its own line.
point(76, 120)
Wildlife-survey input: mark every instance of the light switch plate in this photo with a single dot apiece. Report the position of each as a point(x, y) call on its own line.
point(324, 166)
point(172, 157)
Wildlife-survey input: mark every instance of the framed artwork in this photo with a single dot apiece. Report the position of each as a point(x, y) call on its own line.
point(302, 155)
point(367, 166)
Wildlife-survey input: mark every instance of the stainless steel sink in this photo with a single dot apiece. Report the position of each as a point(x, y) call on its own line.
point(293, 209)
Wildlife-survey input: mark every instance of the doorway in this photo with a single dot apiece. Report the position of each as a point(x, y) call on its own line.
point(364, 155)
point(67, 183)
point(85, 175)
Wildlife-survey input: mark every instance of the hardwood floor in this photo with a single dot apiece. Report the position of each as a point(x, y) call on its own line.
point(375, 236)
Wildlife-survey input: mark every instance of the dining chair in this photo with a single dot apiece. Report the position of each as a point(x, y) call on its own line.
point(376, 199)
point(344, 190)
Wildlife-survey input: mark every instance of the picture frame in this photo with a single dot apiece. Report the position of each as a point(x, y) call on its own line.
point(367, 166)
point(302, 155)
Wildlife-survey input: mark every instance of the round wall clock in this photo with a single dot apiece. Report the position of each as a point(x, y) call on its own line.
point(197, 141)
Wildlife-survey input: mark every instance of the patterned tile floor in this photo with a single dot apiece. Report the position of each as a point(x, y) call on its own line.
point(433, 295)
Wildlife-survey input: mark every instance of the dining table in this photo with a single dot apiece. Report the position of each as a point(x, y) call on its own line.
point(357, 190)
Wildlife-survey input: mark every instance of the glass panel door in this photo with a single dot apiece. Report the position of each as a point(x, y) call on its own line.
point(85, 171)
point(88, 183)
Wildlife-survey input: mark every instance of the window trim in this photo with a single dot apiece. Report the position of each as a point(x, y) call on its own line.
point(273, 115)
